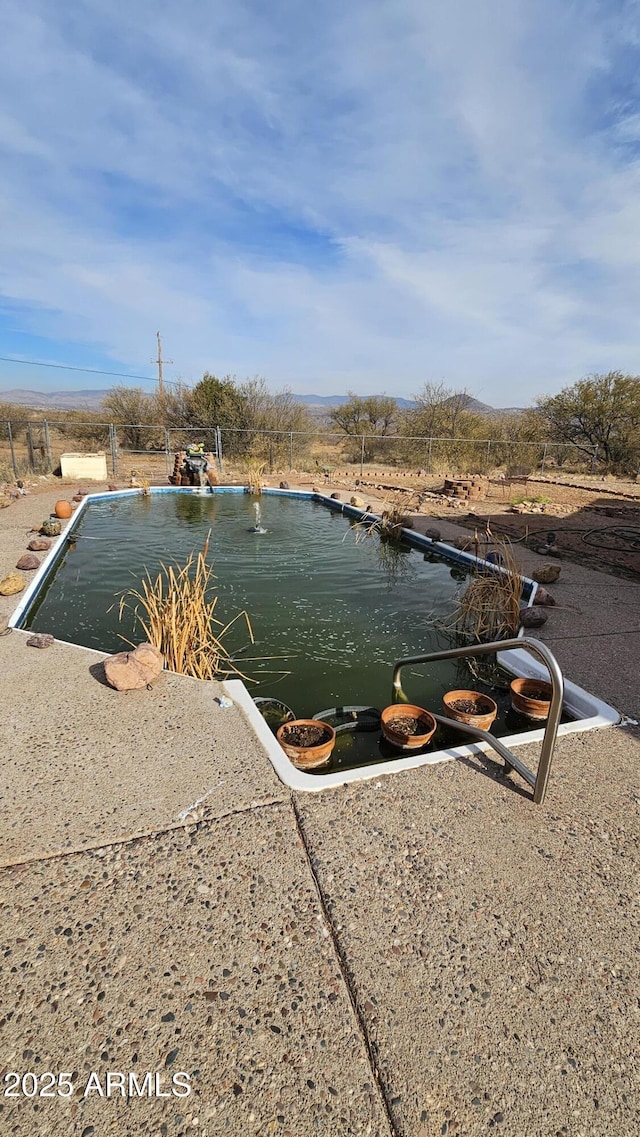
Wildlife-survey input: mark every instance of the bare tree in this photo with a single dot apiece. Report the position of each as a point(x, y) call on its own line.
point(372, 416)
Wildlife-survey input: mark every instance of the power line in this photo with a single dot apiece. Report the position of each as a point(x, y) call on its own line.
point(85, 370)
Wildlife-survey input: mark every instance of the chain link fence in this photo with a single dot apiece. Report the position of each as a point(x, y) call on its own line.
point(35, 446)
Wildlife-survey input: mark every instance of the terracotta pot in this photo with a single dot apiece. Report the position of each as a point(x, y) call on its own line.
point(62, 509)
point(396, 736)
point(531, 697)
point(307, 757)
point(482, 717)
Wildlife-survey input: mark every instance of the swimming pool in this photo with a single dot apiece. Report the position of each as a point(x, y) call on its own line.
point(332, 608)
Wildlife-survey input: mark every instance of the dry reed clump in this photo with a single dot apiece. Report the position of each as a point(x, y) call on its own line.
point(138, 481)
point(255, 469)
point(489, 607)
point(177, 614)
point(395, 513)
point(394, 517)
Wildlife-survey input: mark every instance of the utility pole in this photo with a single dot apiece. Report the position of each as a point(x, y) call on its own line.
point(159, 362)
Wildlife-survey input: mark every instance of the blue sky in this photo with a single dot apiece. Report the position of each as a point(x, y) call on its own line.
point(366, 195)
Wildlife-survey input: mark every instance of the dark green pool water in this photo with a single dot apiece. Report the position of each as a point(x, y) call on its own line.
point(337, 608)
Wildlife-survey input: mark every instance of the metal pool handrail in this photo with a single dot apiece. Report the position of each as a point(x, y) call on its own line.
point(539, 780)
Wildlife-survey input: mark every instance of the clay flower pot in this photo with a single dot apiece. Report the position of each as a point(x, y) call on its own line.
point(407, 727)
point(62, 509)
point(531, 697)
point(308, 743)
point(470, 707)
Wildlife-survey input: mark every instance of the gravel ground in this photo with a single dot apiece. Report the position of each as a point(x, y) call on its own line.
point(422, 955)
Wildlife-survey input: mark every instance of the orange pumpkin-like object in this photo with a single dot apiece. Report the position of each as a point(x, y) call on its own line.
point(62, 509)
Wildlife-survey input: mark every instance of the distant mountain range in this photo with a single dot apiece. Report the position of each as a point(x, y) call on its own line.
point(328, 401)
point(92, 400)
point(57, 400)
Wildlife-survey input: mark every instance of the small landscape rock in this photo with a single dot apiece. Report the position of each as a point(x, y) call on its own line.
point(533, 617)
point(544, 597)
point(28, 562)
point(41, 639)
point(39, 544)
point(284, 485)
point(112, 487)
point(4, 626)
point(10, 584)
point(335, 496)
point(357, 502)
point(433, 534)
point(132, 670)
point(546, 574)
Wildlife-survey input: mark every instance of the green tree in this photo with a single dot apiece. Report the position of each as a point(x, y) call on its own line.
point(220, 402)
point(600, 416)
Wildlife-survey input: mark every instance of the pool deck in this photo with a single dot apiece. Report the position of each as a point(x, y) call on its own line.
point(424, 954)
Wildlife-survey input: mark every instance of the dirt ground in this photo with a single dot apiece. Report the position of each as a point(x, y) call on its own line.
point(593, 522)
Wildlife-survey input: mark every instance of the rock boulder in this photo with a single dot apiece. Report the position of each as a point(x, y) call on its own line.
point(132, 670)
point(533, 617)
point(28, 562)
point(10, 584)
point(41, 639)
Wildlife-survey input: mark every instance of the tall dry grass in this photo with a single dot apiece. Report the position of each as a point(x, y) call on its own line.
point(489, 607)
point(177, 613)
point(254, 471)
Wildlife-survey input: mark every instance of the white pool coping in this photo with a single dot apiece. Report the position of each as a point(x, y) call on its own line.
point(590, 712)
point(576, 701)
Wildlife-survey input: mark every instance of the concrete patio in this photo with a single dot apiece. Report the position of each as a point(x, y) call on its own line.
point(427, 953)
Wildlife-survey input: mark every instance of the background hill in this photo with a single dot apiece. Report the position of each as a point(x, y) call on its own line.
point(56, 400)
point(91, 400)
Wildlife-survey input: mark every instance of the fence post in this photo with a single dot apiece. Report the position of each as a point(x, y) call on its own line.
point(361, 454)
point(544, 458)
point(290, 450)
point(429, 456)
point(594, 459)
point(167, 450)
point(32, 458)
point(219, 447)
point(13, 453)
point(488, 453)
point(113, 441)
point(47, 442)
